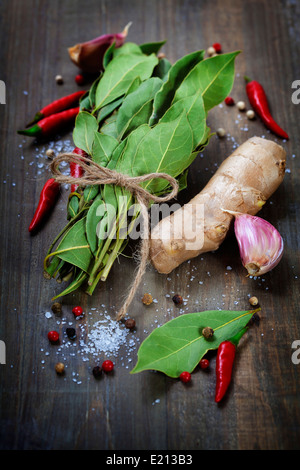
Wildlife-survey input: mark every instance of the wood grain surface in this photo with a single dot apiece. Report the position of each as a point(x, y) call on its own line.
point(40, 410)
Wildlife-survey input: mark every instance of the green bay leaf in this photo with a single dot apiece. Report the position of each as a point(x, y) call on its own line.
point(74, 247)
point(179, 345)
point(84, 130)
point(120, 73)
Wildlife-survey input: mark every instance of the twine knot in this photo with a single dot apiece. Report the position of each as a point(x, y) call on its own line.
point(95, 174)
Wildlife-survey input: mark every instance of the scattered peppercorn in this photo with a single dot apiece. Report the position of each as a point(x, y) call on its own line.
point(147, 299)
point(221, 132)
point(253, 301)
point(97, 372)
point(77, 311)
point(56, 307)
point(250, 114)
point(241, 105)
point(177, 299)
point(185, 377)
point(107, 366)
point(79, 79)
point(60, 368)
point(217, 47)
point(130, 323)
point(229, 101)
point(204, 363)
point(207, 332)
point(161, 55)
point(211, 51)
point(59, 79)
point(53, 336)
point(71, 333)
point(50, 153)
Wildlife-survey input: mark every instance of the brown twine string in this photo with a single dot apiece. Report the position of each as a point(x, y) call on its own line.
point(95, 174)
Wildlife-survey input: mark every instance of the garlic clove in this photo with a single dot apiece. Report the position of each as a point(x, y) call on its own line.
point(88, 56)
point(260, 244)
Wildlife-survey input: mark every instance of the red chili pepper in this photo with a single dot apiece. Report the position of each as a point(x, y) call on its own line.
point(75, 169)
point(259, 102)
point(57, 106)
point(47, 200)
point(224, 364)
point(51, 124)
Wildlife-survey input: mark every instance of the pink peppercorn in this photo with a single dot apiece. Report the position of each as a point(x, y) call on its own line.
point(185, 377)
point(204, 363)
point(77, 311)
point(217, 47)
point(229, 101)
point(107, 366)
point(53, 336)
point(79, 79)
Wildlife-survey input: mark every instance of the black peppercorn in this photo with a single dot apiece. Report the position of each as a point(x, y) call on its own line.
point(97, 371)
point(71, 333)
point(177, 299)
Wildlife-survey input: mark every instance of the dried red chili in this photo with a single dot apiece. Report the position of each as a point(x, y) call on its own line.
point(224, 364)
point(47, 200)
point(259, 102)
point(51, 124)
point(75, 169)
point(66, 102)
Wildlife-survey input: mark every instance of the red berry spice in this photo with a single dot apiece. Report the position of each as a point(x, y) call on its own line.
point(204, 363)
point(53, 336)
point(77, 311)
point(229, 101)
point(217, 47)
point(79, 79)
point(185, 377)
point(107, 366)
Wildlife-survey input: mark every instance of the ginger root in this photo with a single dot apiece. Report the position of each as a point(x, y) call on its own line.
point(243, 183)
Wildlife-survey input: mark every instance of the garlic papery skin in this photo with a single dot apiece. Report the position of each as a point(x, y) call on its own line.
point(261, 245)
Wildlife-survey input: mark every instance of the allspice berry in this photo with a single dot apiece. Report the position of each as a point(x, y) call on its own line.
point(207, 332)
point(60, 368)
point(147, 299)
point(56, 307)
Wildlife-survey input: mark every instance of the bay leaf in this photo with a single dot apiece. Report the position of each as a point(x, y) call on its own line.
point(152, 47)
point(212, 78)
point(162, 69)
point(176, 75)
point(74, 247)
point(137, 106)
point(93, 217)
point(120, 73)
point(78, 280)
point(83, 134)
point(103, 147)
point(179, 345)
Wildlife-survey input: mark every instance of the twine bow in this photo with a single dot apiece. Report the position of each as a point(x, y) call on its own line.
point(95, 174)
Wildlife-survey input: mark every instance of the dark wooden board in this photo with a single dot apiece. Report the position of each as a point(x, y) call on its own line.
point(40, 410)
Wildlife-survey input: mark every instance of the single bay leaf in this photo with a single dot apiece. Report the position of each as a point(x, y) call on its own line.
point(78, 280)
point(83, 134)
point(152, 47)
point(120, 73)
point(74, 247)
point(176, 75)
point(103, 147)
point(212, 78)
point(137, 106)
point(162, 69)
point(179, 345)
